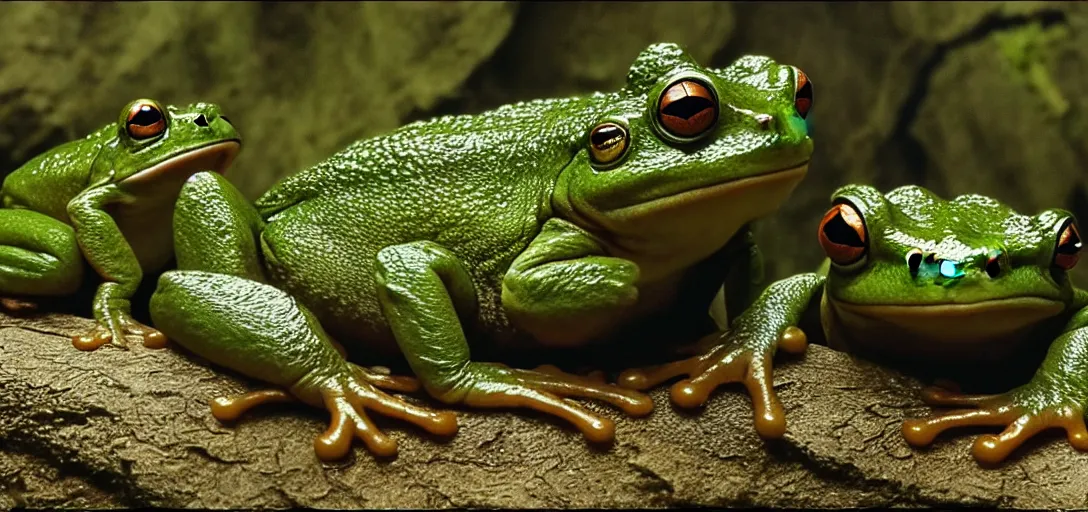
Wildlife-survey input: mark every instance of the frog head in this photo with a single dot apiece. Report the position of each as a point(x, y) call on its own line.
point(945, 272)
point(152, 148)
point(683, 156)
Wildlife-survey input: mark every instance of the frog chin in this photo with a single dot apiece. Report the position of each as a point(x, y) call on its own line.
point(959, 323)
point(679, 229)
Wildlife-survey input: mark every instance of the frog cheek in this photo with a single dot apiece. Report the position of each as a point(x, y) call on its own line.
point(843, 235)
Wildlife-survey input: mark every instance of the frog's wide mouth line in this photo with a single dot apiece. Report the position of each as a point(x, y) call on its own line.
point(986, 316)
point(216, 157)
point(794, 173)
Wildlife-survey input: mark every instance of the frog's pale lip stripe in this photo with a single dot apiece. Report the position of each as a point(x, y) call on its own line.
point(720, 189)
point(1030, 307)
point(216, 157)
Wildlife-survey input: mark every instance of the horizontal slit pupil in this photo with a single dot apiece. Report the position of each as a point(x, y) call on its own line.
point(605, 136)
point(687, 107)
point(839, 232)
point(145, 118)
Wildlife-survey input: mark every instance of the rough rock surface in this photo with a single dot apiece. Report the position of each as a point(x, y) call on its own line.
point(115, 428)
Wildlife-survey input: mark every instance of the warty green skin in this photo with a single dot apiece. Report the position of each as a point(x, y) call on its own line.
point(107, 199)
point(969, 229)
point(497, 228)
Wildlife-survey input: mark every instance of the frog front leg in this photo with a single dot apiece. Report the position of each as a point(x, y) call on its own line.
point(105, 248)
point(1056, 397)
point(744, 353)
point(422, 288)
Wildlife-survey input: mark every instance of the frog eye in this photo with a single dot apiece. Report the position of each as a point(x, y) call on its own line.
point(687, 109)
point(1067, 251)
point(842, 234)
point(608, 142)
point(145, 120)
point(802, 96)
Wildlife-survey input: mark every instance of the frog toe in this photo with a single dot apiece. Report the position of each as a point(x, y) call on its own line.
point(443, 423)
point(557, 382)
point(1020, 423)
point(231, 408)
point(98, 336)
point(349, 421)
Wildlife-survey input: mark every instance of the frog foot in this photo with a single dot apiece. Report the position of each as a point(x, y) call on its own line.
point(1023, 412)
point(347, 400)
point(113, 331)
point(545, 390)
point(727, 362)
point(15, 306)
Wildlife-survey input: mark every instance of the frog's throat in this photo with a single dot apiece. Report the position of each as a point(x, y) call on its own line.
point(964, 323)
point(216, 157)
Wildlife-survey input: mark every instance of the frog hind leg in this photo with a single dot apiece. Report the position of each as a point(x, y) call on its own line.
point(218, 307)
point(263, 333)
point(422, 287)
point(39, 257)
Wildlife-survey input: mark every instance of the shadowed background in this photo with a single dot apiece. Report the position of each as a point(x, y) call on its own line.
point(969, 97)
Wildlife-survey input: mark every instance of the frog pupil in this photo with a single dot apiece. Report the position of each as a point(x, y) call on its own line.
point(1070, 243)
point(838, 231)
point(803, 99)
point(687, 107)
point(606, 136)
point(993, 267)
point(146, 116)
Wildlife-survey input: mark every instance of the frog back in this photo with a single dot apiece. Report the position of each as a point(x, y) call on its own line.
point(480, 186)
point(47, 182)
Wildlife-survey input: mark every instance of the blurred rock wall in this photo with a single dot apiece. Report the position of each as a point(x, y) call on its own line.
point(959, 97)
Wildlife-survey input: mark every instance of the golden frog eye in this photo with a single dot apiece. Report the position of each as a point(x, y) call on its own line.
point(608, 142)
point(842, 234)
point(687, 109)
point(145, 120)
point(1067, 252)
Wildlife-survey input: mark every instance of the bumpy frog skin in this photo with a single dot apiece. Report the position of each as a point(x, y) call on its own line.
point(912, 276)
point(107, 199)
point(550, 223)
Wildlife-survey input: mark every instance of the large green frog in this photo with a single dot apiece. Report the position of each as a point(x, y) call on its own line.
point(107, 200)
point(552, 223)
point(915, 279)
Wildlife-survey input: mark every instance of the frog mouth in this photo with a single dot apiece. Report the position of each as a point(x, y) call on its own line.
point(956, 322)
point(215, 157)
point(761, 194)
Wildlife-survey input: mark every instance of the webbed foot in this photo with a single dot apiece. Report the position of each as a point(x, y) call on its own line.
point(1023, 412)
point(737, 357)
point(347, 399)
point(113, 329)
point(545, 390)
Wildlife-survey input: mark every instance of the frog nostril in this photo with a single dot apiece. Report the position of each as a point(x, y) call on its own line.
point(765, 120)
point(914, 261)
point(201, 121)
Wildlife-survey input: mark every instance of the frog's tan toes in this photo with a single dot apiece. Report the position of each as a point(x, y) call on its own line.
point(349, 420)
point(994, 410)
point(558, 382)
point(596, 429)
point(101, 335)
point(231, 408)
point(725, 364)
point(18, 307)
